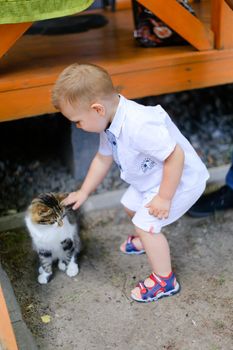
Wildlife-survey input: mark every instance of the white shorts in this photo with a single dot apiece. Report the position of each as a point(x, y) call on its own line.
point(181, 203)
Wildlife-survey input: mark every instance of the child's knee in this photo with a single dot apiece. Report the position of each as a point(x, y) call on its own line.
point(140, 232)
point(129, 212)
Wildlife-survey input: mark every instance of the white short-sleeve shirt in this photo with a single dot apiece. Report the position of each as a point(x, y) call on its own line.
point(140, 138)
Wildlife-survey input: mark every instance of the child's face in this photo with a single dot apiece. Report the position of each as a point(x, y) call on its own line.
point(92, 119)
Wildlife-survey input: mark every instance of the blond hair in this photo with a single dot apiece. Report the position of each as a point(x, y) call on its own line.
point(83, 82)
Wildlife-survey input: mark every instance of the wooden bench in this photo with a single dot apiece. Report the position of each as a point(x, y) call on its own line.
point(30, 65)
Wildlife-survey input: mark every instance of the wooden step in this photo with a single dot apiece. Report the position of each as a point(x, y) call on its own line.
point(30, 68)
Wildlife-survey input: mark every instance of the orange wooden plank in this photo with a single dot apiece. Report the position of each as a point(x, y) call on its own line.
point(9, 33)
point(29, 70)
point(182, 22)
point(135, 58)
point(7, 338)
point(36, 60)
point(196, 70)
point(25, 103)
point(222, 24)
point(123, 4)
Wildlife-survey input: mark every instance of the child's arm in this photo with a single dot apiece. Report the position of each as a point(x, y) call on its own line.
point(99, 167)
point(173, 167)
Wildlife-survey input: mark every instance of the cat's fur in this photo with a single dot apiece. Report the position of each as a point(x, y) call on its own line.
point(55, 235)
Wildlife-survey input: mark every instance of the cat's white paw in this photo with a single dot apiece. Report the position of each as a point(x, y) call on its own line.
point(72, 269)
point(40, 270)
point(44, 278)
point(61, 265)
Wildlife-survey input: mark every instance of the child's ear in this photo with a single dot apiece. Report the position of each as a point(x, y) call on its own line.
point(100, 109)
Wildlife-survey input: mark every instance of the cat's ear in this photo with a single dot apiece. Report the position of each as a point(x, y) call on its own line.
point(39, 212)
point(40, 209)
point(61, 196)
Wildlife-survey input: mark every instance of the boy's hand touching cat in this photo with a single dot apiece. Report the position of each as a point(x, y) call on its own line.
point(77, 198)
point(159, 207)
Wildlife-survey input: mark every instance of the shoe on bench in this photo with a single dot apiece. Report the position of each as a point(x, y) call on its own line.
point(206, 205)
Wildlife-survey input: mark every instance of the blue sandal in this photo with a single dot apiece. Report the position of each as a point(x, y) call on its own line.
point(163, 287)
point(130, 247)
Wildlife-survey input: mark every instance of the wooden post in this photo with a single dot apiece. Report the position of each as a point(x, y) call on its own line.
point(182, 22)
point(222, 24)
point(9, 33)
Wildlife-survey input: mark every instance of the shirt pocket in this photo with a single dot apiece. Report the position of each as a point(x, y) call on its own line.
point(140, 165)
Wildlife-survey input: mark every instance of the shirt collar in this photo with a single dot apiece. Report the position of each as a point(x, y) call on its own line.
point(118, 119)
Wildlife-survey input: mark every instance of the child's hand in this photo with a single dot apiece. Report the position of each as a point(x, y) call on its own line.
point(159, 207)
point(77, 198)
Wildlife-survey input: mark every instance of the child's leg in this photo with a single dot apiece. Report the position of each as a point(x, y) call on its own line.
point(129, 212)
point(136, 240)
point(157, 251)
point(162, 282)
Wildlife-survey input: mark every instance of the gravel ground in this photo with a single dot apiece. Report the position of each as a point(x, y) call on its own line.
point(33, 151)
point(93, 311)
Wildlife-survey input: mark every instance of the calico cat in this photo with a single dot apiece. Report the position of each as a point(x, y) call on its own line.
point(55, 235)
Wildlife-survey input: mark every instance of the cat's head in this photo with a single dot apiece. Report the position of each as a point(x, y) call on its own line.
point(46, 209)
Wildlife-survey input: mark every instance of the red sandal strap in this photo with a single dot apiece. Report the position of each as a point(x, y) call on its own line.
point(157, 280)
point(143, 288)
point(130, 238)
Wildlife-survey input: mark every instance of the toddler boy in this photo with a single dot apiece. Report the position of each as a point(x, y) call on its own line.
point(165, 174)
